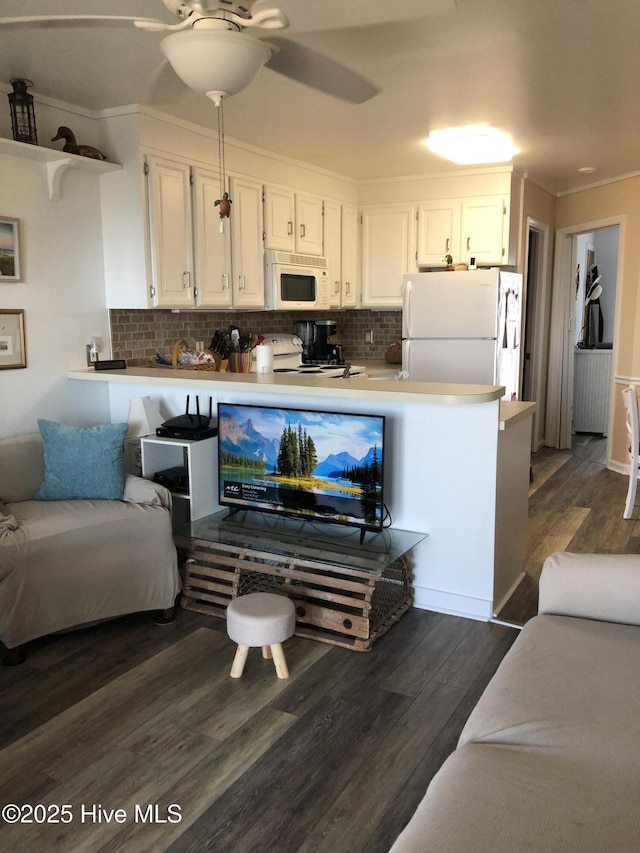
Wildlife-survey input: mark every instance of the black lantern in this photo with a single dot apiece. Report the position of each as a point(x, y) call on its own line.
point(23, 119)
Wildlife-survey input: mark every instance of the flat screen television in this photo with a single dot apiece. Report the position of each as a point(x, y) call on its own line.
point(314, 465)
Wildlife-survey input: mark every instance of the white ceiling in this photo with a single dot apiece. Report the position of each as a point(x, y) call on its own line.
point(561, 76)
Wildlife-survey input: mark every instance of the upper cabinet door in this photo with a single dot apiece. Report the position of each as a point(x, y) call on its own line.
point(438, 232)
point(332, 249)
point(482, 229)
point(246, 243)
point(279, 219)
point(349, 256)
point(212, 244)
point(292, 221)
point(170, 232)
point(308, 224)
point(388, 251)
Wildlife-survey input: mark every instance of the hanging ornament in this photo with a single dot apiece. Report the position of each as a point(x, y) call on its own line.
point(224, 202)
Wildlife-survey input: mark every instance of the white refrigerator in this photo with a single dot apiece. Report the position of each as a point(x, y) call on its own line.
point(463, 327)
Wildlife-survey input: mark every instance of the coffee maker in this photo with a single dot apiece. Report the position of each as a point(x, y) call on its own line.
point(316, 348)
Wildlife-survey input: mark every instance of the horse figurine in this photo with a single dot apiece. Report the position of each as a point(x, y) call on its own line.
point(71, 146)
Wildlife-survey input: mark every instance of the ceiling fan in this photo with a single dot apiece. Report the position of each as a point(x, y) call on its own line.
point(211, 51)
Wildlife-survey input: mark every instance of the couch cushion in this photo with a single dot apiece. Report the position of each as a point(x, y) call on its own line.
point(21, 467)
point(500, 799)
point(73, 562)
point(549, 758)
point(566, 686)
point(82, 463)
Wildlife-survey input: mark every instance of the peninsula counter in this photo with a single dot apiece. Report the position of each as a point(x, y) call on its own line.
point(456, 464)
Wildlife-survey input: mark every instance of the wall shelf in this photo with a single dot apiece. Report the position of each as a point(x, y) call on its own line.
point(56, 162)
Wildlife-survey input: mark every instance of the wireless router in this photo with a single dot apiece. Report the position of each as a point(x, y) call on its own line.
point(188, 426)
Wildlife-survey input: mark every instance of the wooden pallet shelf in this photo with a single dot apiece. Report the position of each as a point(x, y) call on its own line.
point(344, 599)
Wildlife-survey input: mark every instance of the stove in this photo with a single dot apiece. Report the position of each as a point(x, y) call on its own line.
point(329, 370)
point(287, 358)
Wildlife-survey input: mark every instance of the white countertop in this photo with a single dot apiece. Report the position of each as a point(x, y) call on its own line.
point(292, 384)
point(512, 411)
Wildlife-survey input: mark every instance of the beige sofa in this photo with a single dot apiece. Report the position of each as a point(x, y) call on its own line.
point(549, 759)
point(67, 563)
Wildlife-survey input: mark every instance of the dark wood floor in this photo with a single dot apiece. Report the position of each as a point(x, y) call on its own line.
point(334, 760)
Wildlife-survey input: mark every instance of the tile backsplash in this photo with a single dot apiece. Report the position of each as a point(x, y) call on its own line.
point(138, 334)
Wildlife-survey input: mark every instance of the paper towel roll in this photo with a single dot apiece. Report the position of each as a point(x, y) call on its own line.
point(264, 358)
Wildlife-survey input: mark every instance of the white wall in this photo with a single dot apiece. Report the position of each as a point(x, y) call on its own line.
point(62, 295)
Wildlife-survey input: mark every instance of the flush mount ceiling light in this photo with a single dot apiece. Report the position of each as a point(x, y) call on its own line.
point(474, 144)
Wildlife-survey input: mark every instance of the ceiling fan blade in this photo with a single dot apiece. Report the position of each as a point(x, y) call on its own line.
point(73, 20)
point(318, 71)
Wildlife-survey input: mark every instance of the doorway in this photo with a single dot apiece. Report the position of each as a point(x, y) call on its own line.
point(536, 325)
point(568, 312)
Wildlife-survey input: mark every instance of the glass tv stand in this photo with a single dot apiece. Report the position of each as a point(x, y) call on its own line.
point(345, 593)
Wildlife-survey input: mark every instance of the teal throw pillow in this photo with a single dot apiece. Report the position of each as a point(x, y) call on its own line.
point(82, 463)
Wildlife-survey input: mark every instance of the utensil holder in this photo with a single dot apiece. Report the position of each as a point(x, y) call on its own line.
point(240, 362)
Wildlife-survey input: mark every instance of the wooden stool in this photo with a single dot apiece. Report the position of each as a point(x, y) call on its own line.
point(261, 619)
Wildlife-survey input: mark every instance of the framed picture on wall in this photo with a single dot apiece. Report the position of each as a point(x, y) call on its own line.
point(10, 266)
point(12, 347)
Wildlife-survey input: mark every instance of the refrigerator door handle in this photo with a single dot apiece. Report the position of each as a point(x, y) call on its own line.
point(406, 309)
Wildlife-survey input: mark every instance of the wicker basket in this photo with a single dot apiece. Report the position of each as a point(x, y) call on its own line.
point(218, 364)
point(393, 352)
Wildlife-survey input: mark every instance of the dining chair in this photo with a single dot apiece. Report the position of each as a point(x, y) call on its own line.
point(630, 399)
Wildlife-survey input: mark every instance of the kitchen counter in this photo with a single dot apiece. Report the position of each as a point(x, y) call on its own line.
point(456, 463)
point(354, 387)
point(512, 412)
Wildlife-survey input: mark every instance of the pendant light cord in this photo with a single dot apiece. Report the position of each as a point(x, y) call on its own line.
point(221, 160)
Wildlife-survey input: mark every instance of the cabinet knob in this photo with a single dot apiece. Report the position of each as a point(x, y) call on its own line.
point(448, 245)
point(289, 228)
point(242, 282)
point(337, 287)
point(186, 280)
point(302, 230)
point(347, 287)
point(468, 243)
point(225, 281)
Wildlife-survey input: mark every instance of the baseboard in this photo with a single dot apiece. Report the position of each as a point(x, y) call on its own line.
point(498, 607)
point(452, 604)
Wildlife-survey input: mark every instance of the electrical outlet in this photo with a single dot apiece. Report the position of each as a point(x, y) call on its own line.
point(368, 336)
point(92, 350)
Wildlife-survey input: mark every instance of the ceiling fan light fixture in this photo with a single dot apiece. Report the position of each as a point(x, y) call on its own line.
point(215, 62)
point(471, 145)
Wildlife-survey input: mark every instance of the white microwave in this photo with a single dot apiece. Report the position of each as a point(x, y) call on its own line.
point(295, 282)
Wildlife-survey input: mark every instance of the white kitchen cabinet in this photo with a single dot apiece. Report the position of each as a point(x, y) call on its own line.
point(246, 243)
point(482, 230)
point(464, 228)
point(349, 255)
point(170, 233)
point(212, 244)
point(292, 221)
point(388, 251)
point(340, 247)
point(438, 232)
point(308, 224)
point(279, 219)
point(332, 250)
